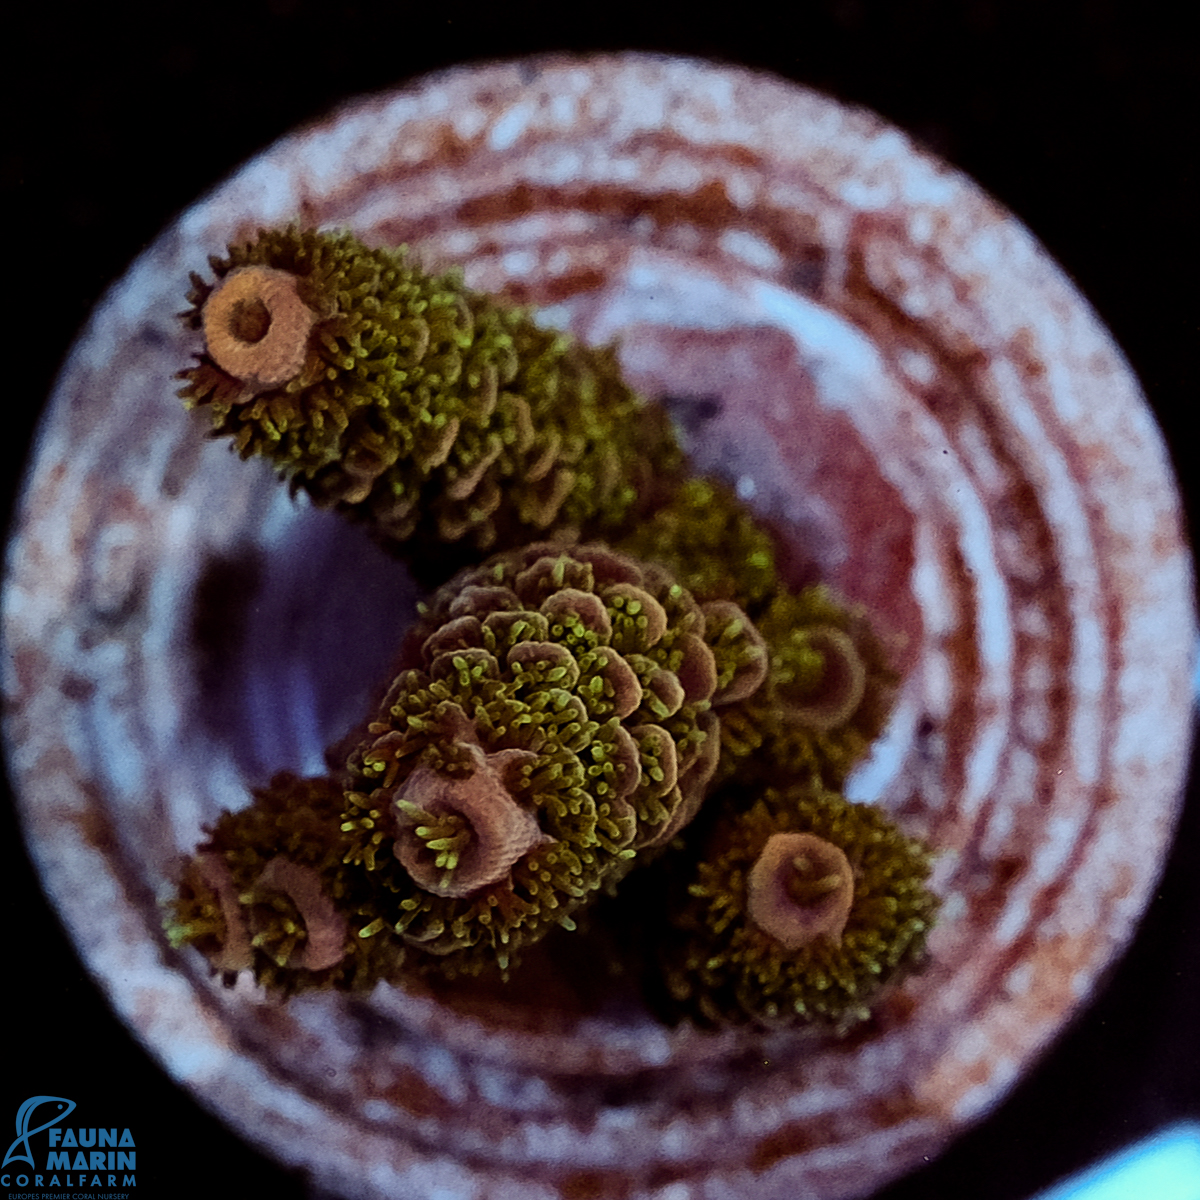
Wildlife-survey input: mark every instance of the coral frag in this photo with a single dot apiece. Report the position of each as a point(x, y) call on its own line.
point(561, 711)
point(408, 401)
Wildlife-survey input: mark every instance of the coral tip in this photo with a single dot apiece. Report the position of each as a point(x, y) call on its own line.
point(256, 327)
point(800, 888)
point(456, 836)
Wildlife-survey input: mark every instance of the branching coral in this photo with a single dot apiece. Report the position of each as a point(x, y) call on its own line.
point(803, 907)
point(826, 696)
point(554, 720)
point(560, 712)
point(413, 403)
point(268, 892)
point(711, 542)
point(827, 689)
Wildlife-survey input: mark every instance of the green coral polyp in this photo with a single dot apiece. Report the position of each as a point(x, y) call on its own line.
point(725, 966)
point(710, 541)
point(411, 402)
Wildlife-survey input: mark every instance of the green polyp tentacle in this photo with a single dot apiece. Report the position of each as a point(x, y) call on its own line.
point(807, 884)
point(711, 542)
point(445, 835)
point(280, 931)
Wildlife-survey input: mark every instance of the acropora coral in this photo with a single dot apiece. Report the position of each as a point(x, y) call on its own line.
point(556, 721)
point(411, 402)
point(825, 699)
point(268, 892)
point(561, 711)
point(711, 542)
point(804, 906)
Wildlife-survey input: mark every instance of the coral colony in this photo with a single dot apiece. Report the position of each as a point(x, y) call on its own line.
point(616, 683)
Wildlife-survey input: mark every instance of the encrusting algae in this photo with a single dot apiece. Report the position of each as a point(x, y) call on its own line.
point(562, 710)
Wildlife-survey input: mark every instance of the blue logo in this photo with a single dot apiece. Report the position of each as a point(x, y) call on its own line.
point(81, 1157)
point(24, 1116)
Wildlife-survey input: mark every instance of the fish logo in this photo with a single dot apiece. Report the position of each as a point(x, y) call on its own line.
point(24, 1133)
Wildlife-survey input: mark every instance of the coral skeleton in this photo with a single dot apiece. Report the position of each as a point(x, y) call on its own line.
point(617, 678)
point(256, 327)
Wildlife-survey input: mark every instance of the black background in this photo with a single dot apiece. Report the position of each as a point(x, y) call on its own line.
point(1076, 115)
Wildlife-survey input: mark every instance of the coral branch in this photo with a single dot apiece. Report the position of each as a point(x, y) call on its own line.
point(426, 410)
point(802, 908)
point(537, 740)
point(825, 696)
